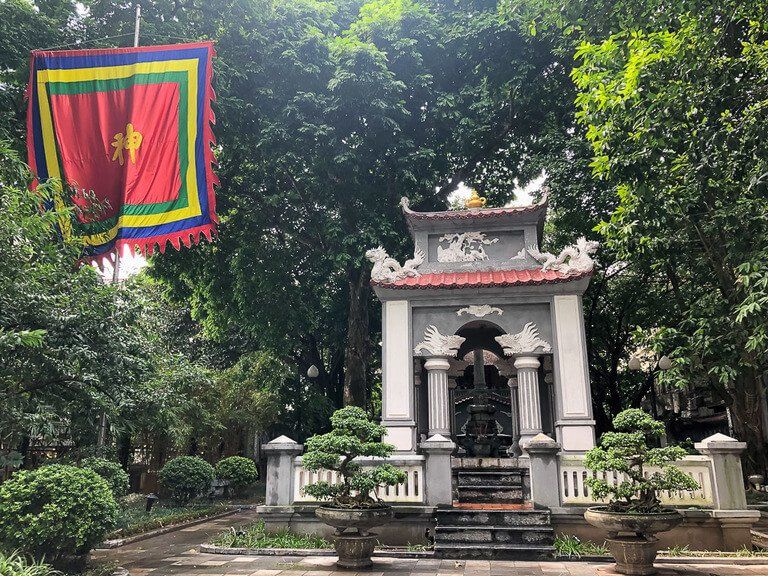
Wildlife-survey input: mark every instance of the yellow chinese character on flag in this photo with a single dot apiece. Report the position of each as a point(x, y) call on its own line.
point(130, 141)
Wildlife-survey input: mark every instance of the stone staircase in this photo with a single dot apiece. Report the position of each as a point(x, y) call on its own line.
point(517, 534)
point(490, 486)
point(491, 518)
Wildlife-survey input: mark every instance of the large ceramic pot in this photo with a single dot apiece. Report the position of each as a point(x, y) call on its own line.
point(356, 547)
point(631, 536)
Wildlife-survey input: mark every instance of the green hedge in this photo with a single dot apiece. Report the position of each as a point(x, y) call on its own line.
point(186, 477)
point(241, 473)
point(112, 472)
point(55, 511)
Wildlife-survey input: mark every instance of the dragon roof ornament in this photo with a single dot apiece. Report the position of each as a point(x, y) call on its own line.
point(572, 260)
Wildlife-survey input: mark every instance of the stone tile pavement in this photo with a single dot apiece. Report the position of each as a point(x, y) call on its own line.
point(176, 554)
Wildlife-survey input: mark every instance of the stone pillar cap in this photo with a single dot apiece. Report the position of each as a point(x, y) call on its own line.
point(437, 363)
point(720, 443)
point(541, 444)
point(283, 444)
point(437, 443)
point(527, 361)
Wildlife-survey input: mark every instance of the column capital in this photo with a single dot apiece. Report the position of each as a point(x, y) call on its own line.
point(531, 362)
point(720, 444)
point(437, 363)
point(541, 444)
point(438, 444)
point(283, 444)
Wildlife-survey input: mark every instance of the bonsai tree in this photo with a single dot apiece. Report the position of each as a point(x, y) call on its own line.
point(627, 451)
point(352, 434)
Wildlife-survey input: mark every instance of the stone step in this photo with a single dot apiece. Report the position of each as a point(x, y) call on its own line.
point(495, 550)
point(482, 494)
point(490, 478)
point(469, 517)
point(537, 536)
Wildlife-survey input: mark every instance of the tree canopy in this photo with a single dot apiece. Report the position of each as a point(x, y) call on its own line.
point(645, 117)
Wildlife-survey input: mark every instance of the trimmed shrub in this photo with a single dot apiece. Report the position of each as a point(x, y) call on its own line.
point(112, 472)
point(186, 477)
point(241, 472)
point(55, 511)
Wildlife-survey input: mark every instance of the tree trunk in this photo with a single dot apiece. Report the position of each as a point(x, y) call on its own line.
point(747, 416)
point(356, 352)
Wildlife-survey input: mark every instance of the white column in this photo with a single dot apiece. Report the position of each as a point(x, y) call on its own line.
point(439, 401)
point(574, 423)
point(397, 376)
point(528, 397)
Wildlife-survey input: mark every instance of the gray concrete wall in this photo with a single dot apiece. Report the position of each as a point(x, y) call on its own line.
point(408, 527)
point(511, 321)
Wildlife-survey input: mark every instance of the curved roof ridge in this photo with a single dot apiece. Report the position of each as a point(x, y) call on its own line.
point(472, 213)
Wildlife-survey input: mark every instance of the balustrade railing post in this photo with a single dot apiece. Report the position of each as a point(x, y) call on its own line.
point(280, 470)
point(731, 511)
point(545, 471)
point(437, 469)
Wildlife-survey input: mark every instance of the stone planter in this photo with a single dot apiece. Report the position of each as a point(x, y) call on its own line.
point(356, 547)
point(361, 519)
point(631, 536)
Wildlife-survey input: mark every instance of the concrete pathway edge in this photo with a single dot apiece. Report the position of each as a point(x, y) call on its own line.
point(305, 552)
point(118, 542)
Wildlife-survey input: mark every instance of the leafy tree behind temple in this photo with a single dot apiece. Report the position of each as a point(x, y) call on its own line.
point(338, 111)
point(676, 118)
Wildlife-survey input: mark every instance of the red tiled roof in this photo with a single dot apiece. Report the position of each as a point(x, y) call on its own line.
point(486, 279)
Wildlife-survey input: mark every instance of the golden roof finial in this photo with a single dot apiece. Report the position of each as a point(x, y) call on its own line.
point(474, 200)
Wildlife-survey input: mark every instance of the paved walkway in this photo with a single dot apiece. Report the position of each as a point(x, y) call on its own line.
point(176, 554)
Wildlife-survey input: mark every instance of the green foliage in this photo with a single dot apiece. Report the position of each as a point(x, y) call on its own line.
point(15, 564)
point(256, 536)
point(627, 452)
point(112, 472)
point(55, 511)
point(675, 114)
point(241, 472)
point(71, 345)
point(352, 435)
point(186, 477)
point(573, 547)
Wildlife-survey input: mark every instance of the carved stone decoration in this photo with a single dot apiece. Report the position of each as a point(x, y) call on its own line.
point(571, 260)
point(527, 341)
point(520, 255)
point(387, 269)
point(479, 311)
point(464, 247)
point(438, 344)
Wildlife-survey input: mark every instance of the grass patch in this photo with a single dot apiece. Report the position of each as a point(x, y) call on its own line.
point(256, 536)
point(134, 519)
point(573, 547)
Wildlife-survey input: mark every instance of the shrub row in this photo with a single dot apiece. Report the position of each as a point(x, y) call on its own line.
point(59, 512)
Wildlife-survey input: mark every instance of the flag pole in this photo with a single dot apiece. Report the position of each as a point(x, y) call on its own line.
point(136, 28)
point(138, 25)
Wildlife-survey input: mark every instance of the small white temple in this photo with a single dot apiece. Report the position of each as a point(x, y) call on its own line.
point(486, 397)
point(481, 316)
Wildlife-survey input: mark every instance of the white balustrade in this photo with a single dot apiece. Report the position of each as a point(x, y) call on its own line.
point(410, 491)
point(573, 489)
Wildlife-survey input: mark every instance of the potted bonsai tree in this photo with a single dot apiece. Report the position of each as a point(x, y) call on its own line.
point(634, 513)
point(353, 505)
